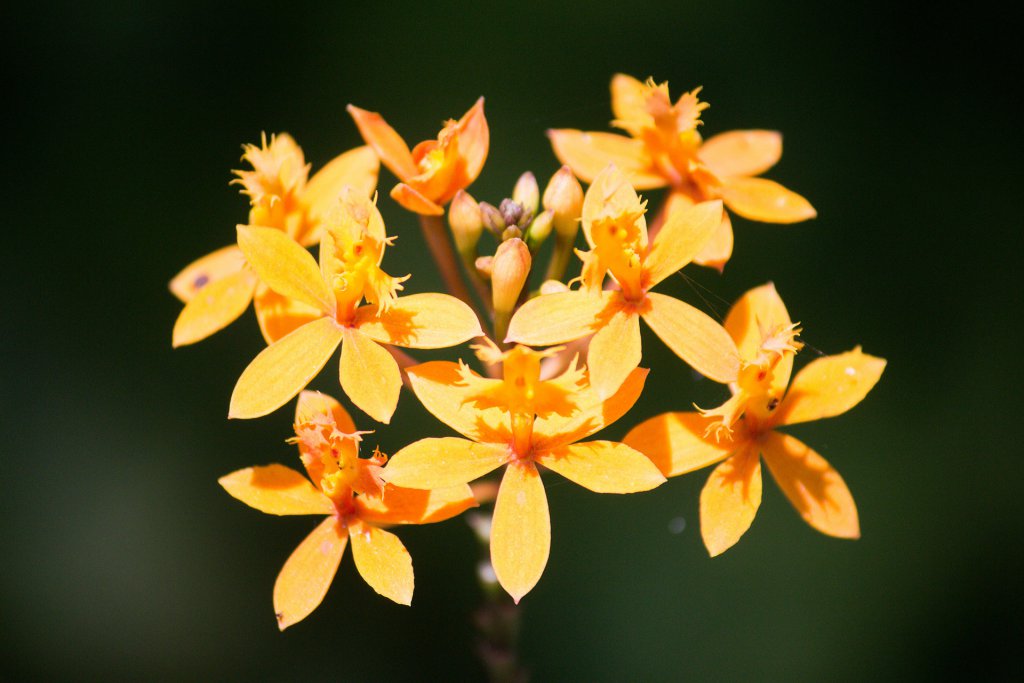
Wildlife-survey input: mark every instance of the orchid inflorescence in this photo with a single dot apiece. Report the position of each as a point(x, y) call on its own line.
point(554, 364)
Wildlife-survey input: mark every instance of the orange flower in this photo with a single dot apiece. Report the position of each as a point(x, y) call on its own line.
point(349, 491)
point(434, 170)
point(218, 287)
point(614, 225)
point(665, 149)
point(351, 251)
point(520, 421)
point(744, 428)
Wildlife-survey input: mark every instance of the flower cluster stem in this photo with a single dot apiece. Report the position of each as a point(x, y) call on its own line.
point(436, 236)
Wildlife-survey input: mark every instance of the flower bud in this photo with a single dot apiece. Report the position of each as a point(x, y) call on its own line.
point(527, 193)
point(564, 196)
point(508, 275)
point(492, 218)
point(511, 232)
point(484, 266)
point(539, 229)
point(553, 287)
point(466, 222)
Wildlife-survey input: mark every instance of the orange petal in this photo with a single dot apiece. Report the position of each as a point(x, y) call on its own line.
point(276, 490)
point(729, 501)
point(694, 337)
point(312, 404)
point(765, 200)
point(210, 268)
point(603, 467)
point(813, 487)
point(557, 318)
point(716, 251)
point(306, 576)
point(474, 141)
point(675, 442)
point(684, 234)
point(520, 530)
point(370, 376)
point(382, 561)
point(357, 168)
point(388, 144)
point(760, 309)
point(614, 352)
point(278, 315)
point(742, 152)
point(216, 306)
point(830, 386)
point(440, 387)
point(442, 462)
point(587, 154)
point(283, 369)
point(414, 506)
point(629, 98)
point(414, 201)
point(592, 416)
point(284, 266)
point(420, 321)
point(611, 193)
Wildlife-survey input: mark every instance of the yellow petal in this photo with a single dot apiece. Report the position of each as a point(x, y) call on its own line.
point(284, 266)
point(203, 271)
point(557, 318)
point(388, 144)
point(587, 154)
point(716, 251)
point(760, 309)
point(603, 467)
point(629, 98)
point(215, 306)
point(765, 200)
point(729, 500)
point(278, 315)
point(442, 462)
point(520, 530)
point(413, 506)
point(614, 352)
point(742, 152)
point(276, 490)
point(611, 194)
point(675, 442)
point(440, 387)
point(357, 168)
point(312, 404)
point(420, 321)
point(370, 376)
point(382, 561)
point(684, 234)
point(474, 142)
point(830, 386)
point(814, 488)
point(283, 369)
point(413, 200)
point(306, 576)
point(592, 416)
point(694, 337)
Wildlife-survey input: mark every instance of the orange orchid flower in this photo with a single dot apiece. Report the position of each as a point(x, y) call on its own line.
point(347, 489)
point(351, 250)
point(615, 229)
point(218, 287)
point(665, 149)
point(434, 170)
point(744, 428)
point(521, 422)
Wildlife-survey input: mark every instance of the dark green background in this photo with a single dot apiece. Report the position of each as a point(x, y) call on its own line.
point(123, 559)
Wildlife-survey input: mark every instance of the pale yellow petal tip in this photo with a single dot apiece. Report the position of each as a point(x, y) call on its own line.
point(283, 622)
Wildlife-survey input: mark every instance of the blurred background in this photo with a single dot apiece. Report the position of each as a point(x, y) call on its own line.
point(123, 558)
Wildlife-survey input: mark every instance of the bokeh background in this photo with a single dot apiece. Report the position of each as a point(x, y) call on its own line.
point(124, 560)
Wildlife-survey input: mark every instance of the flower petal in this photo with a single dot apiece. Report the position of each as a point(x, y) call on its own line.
point(742, 152)
point(587, 154)
point(729, 500)
point(557, 318)
point(357, 168)
point(210, 268)
point(760, 309)
point(442, 462)
point(369, 375)
point(283, 369)
point(765, 200)
point(214, 307)
point(276, 490)
point(603, 467)
point(474, 142)
point(414, 506)
point(441, 388)
point(611, 194)
point(306, 576)
point(284, 266)
point(388, 144)
point(716, 251)
point(830, 386)
point(694, 337)
point(629, 98)
point(685, 233)
point(593, 415)
point(278, 315)
point(420, 321)
point(614, 352)
point(675, 442)
point(520, 530)
point(413, 200)
point(814, 488)
point(382, 561)
point(312, 404)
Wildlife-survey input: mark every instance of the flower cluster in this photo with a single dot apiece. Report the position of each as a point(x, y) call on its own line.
point(558, 349)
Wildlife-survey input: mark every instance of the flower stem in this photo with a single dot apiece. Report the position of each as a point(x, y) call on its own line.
point(436, 236)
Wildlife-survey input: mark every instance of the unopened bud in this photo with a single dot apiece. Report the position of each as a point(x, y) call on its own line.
point(484, 266)
point(510, 233)
point(564, 196)
point(492, 218)
point(509, 273)
point(466, 222)
point(539, 229)
point(553, 287)
point(512, 211)
point(527, 193)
